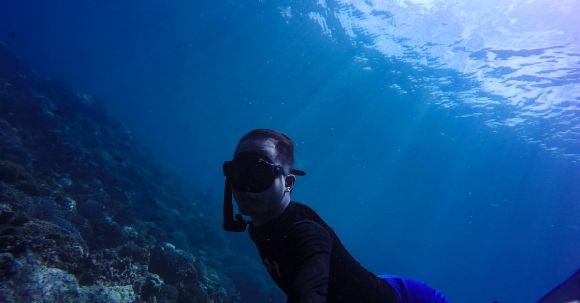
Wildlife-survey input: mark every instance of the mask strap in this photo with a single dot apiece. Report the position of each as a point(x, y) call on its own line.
point(237, 224)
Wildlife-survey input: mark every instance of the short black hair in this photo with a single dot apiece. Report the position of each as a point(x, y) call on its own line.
point(283, 144)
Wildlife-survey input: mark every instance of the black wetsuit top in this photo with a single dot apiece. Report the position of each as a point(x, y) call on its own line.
point(309, 263)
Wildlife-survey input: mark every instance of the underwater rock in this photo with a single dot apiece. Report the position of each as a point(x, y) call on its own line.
point(181, 270)
point(101, 294)
point(173, 265)
point(19, 177)
point(7, 268)
point(49, 209)
point(194, 282)
point(12, 173)
point(129, 232)
point(30, 281)
point(84, 208)
point(154, 289)
point(108, 267)
point(134, 252)
point(107, 233)
point(53, 245)
point(91, 209)
point(11, 147)
point(65, 182)
point(66, 204)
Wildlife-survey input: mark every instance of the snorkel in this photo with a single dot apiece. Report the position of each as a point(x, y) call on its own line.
point(237, 224)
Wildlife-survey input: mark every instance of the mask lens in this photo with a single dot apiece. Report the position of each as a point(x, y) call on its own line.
point(251, 173)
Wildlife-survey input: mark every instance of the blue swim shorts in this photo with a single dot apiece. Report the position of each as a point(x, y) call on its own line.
point(413, 291)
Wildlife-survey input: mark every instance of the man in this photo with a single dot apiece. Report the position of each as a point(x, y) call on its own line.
point(301, 252)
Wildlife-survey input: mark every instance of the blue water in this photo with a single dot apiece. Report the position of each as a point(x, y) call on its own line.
point(441, 138)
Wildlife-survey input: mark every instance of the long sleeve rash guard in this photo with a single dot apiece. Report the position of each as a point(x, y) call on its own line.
point(309, 263)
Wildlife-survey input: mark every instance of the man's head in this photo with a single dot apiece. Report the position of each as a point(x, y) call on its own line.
point(282, 145)
point(263, 159)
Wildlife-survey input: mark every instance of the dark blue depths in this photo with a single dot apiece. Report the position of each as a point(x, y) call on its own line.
point(411, 188)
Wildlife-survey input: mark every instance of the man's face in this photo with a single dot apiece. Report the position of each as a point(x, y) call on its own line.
point(252, 204)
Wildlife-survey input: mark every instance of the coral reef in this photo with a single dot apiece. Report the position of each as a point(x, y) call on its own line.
point(87, 215)
point(187, 274)
point(29, 281)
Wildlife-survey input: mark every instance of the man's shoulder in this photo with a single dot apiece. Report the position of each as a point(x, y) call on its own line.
point(306, 220)
point(305, 212)
point(303, 209)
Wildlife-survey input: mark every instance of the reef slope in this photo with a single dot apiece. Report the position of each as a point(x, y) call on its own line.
point(87, 215)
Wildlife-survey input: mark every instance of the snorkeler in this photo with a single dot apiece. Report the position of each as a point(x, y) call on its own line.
point(300, 251)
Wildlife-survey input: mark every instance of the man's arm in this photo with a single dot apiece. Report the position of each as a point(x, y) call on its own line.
point(313, 246)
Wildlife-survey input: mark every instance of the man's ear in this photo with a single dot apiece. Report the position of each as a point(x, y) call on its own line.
point(289, 181)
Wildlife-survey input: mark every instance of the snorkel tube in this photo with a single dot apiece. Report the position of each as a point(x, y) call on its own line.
point(237, 224)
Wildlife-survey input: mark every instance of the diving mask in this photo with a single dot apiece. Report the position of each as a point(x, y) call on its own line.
point(252, 172)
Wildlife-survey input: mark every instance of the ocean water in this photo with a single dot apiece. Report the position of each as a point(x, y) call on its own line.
point(441, 139)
